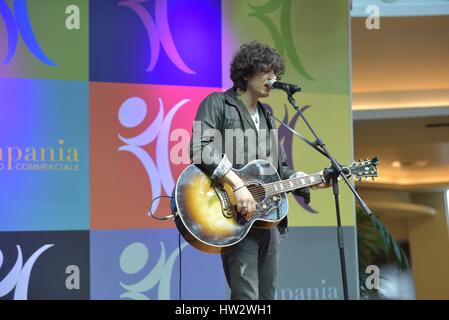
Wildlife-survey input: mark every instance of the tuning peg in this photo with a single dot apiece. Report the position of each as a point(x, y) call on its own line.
point(360, 160)
point(372, 178)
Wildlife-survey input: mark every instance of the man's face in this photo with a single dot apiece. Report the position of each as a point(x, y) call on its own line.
point(258, 84)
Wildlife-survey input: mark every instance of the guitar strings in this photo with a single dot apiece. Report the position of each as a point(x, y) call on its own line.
point(267, 189)
point(270, 191)
point(267, 192)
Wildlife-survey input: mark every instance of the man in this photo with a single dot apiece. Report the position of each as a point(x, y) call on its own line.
point(251, 265)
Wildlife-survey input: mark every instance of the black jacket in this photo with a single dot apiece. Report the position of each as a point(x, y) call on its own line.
point(221, 111)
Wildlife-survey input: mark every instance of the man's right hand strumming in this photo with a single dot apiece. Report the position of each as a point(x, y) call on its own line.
point(245, 202)
point(244, 199)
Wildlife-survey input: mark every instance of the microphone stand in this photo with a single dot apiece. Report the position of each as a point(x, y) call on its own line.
point(332, 172)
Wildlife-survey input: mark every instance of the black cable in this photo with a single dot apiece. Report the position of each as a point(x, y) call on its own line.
point(160, 218)
point(179, 236)
point(180, 264)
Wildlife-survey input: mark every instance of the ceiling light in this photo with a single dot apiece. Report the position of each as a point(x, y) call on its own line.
point(396, 164)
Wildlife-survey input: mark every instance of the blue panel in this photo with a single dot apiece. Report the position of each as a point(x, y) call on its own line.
point(44, 155)
point(144, 264)
point(309, 268)
point(159, 42)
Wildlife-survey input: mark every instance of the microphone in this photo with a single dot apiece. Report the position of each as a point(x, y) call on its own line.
point(289, 88)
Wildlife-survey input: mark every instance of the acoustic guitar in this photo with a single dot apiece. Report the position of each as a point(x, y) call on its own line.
point(206, 211)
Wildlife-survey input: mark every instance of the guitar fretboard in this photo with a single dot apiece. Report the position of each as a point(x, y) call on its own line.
point(292, 184)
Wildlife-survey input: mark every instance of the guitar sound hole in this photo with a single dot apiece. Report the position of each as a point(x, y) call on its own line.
point(257, 191)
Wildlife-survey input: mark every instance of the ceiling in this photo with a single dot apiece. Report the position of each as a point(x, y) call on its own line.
point(400, 84)
point(403, 63)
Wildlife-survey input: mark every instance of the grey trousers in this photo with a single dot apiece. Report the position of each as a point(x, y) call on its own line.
point(251, 266)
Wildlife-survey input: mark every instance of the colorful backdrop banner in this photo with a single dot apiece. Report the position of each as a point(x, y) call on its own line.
point(97, 102)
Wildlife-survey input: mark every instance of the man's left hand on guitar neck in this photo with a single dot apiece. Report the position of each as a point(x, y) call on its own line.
point(323, 185)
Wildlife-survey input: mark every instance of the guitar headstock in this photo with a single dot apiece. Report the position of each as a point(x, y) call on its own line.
point(364, 169)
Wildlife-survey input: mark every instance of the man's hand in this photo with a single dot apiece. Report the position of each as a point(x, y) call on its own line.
point(245, 202)
point(322, 185)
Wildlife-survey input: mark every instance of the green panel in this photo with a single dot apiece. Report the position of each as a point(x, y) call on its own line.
point(313, 37)
point(66, 48)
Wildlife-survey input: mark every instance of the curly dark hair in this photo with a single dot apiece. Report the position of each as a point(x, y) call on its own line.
point(254, 57)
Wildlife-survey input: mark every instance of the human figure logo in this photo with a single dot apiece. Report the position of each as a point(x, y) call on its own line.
point(134, 258)
point(158, 30)
point(286, 138)
point(20, 24)
point(19, 276)
point(282, 36)
point(132, 112)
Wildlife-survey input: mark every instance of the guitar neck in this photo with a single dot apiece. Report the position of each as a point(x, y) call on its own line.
point(277, 187)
